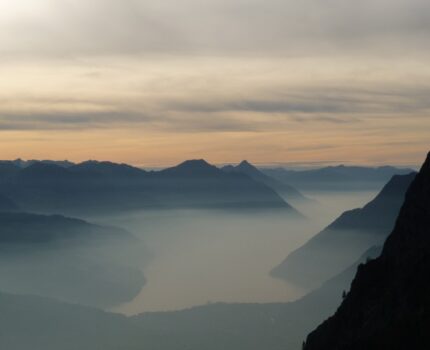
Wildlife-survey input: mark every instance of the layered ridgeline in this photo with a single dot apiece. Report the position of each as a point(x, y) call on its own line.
point(388, 306)
point(287, 191)
point(335, 178)
point(35, 323)
point(103, 187)
point(342, 242)
point(68, 259)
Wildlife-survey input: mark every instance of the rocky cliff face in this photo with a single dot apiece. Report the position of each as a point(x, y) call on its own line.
point(388, 306)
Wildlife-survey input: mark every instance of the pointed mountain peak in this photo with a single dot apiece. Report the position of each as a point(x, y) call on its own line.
point(193, 167)
point(195, 163)
point(247, 166)
point(245, 163)
point(426, 165)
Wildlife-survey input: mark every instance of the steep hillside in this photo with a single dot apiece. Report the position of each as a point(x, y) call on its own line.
point(388, 306)
point(68, 259)
point(342, 242)
point(289, 192)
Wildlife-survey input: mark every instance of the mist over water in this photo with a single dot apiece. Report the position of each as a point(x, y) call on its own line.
point(199, 256)
point(328, 205)
point(202, 257)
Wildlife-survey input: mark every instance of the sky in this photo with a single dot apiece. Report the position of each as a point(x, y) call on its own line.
point(152, 83)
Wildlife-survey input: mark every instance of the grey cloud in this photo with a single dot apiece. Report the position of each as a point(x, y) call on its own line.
point(68, 120)
point(260, 111)
point(317, 101)
point(222, 26)
point(110, 120)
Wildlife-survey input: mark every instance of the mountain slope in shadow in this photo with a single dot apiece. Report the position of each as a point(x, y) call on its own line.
point(92, 188)
point(68, 259)
point(198, 184)
point(282, 188)
point(388, 306)
point(342, 242)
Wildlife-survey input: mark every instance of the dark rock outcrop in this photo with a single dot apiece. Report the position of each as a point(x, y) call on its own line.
point(388, 306)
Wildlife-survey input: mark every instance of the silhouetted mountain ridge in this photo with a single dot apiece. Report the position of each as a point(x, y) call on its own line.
point(32, 228)
point(68, 259)
point(340, 177)
point(343, 241)
point(103, 187)
point(107, 169)
point(282, 188)
point(25, 163)
point(380, 213)
point(388, 306)
point(192, 168)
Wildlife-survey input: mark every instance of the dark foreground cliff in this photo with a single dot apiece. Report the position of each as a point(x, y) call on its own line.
point(388, 306)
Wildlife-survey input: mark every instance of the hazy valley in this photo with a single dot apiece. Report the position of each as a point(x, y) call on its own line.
point(193, 268)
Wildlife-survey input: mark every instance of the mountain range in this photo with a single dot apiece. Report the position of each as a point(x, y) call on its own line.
point(102, 187)
point(343, 241)
point(337, 178)
point(387, 306)
point(285, 190)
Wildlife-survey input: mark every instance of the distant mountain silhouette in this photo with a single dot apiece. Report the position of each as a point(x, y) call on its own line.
point(388, 306)
point(342, 242)
point(7, 170)
point(43, 172)
point(25, 163)
point(31, 228)
point(337, 177)
point(192, 168)
point(68, 259)
point(196, 183)
point(103, 187)
point(282, 188)
point(107, 169)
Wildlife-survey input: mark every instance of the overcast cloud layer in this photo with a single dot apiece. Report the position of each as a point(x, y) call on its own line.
point(64, 27)
point(262, 77)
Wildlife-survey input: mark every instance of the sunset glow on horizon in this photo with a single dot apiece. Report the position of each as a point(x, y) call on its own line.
point(151, 85)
